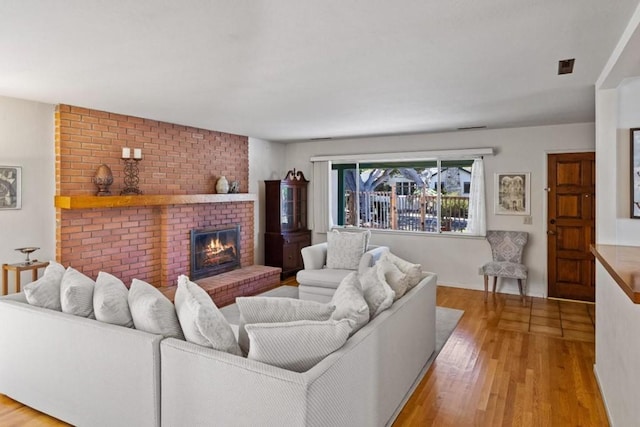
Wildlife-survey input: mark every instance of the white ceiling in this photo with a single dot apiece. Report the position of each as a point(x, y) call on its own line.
point(295, 69)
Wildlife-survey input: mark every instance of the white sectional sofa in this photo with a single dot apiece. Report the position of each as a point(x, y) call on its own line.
point(318, 283)
point(364, 383)
point(90, 373)
point(79, 370)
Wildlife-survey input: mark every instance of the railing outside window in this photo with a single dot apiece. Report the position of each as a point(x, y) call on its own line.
point(415, 212)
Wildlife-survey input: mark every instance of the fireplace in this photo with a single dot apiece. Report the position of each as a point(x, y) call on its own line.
point(214, 251)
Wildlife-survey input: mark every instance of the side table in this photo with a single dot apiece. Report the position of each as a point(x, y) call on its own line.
point(18, 268)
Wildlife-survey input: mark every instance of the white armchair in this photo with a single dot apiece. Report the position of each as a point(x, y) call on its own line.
point(318, 283)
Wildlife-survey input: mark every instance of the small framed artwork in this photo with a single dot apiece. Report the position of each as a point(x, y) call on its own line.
point(10, 187)
point(513, 193)
point(635, 173)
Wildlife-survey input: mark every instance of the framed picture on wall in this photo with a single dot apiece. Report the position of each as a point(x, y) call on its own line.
point(10, 187)
point(635, 173)
point(512, 193)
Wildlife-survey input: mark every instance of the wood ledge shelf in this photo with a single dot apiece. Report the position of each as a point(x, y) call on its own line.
point(623, 264)
point(89, 202)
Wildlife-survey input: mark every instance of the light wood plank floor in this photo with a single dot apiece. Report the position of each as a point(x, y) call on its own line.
point(497, 369)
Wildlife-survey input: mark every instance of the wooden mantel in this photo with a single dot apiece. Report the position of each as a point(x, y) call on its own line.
point(89, 202)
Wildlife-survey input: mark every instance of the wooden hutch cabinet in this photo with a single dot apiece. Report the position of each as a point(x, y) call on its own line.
point(286, 222)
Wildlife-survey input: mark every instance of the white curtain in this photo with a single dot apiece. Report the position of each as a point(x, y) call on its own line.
point(321, 184)
point(477, 222)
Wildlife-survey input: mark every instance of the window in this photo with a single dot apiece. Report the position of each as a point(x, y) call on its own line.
point(425, 196)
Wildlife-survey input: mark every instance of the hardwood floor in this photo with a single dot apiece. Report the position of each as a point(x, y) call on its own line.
point(497, 368)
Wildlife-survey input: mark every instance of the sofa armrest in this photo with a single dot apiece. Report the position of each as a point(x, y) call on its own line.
point(370, 257)
point(314, 257)
point(201, 384)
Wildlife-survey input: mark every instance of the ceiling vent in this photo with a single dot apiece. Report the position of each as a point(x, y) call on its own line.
point(565, 66)
point(472, 128)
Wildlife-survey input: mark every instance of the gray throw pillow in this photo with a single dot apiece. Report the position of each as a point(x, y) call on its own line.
point(110, 301)
point(392, 276)
point(377, 293)
point(344, 250)
point(76, 294)
point(200, 319)
point(413, 271)
point(275, 309)
point(45, 292)
point(297, 346)
point(350, 303)
point(153, 312)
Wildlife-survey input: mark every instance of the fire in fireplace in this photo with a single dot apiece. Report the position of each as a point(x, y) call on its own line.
point(214, 251)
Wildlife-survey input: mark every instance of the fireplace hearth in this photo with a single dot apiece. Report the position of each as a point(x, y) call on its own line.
point(214, 251)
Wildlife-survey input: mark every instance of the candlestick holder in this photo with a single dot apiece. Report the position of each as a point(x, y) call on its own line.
point(131, 177)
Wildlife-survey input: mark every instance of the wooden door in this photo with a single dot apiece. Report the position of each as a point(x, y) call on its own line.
point(571, 225)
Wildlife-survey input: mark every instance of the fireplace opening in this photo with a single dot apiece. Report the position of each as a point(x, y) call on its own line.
point(214, 251)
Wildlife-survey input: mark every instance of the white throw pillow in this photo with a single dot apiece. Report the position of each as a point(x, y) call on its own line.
point(110, 303)
point(45, 292)
point(76, 294)
point(297, 346)
point(153, 312)
point(350, 303)
point(200, 319)
point(377, 293)
point(344, 250)
point(275, 309)
point(396, 279)
point(413, 271)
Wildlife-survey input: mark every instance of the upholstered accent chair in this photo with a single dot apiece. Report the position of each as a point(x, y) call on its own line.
point(506, 250)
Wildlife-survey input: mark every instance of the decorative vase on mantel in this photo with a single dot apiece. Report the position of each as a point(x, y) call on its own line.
point(222, 186)
point(103, 180)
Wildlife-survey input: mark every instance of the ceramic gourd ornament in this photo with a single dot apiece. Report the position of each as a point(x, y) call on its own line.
point(222, 186)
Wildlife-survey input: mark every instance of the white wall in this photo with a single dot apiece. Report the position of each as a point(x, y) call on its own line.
point(266, 161)
point(456, 259)
point(617, 318)
point(27, 140)
point(628, 116)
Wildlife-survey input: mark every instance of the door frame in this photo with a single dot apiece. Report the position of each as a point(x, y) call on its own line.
point(545, 207)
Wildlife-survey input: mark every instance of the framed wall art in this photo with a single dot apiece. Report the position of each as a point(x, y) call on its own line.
point(10, 187)
point(512, 193)
point(635, 173)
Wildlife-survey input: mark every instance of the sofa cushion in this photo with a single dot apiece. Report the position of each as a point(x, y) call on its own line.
point(396, 279)
point(45, 292)
point(325, 278)
point(110, 303)
point(377, 293)
point(276, 309)
point(76, 294)
point(153, 312)
point(350, 303)
point(344, 250)
point(201, 321)
point(299, 345)
point(413, 271)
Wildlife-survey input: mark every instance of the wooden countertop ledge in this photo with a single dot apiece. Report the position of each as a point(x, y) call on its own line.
point(623, 264)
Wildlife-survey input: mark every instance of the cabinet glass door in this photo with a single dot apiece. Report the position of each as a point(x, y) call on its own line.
point(287, 222)
point(301, 201)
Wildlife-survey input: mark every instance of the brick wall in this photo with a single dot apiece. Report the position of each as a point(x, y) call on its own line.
point(149, 243)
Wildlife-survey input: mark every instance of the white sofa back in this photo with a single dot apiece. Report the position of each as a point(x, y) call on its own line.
point(79, 370)
point(365, 383)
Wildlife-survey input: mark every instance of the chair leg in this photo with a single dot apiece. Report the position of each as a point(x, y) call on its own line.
point(495, 282)
point(486, 287)
point(521, 291)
